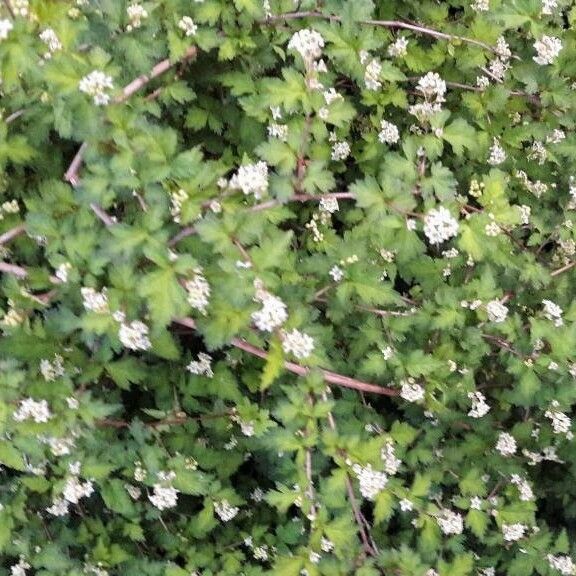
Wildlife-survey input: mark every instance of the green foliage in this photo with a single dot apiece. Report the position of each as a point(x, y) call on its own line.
point(287, 287)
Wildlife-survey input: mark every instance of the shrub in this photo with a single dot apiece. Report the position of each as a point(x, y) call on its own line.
point(287, 287)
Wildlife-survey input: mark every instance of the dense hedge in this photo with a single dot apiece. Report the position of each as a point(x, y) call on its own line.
point(287, 287)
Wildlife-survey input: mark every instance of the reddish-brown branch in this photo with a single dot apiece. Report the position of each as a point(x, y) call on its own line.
point(11, 234)
point(71, 174)
point(329, 377)
point(563, 269)
point(102, 215)
point(393, 24)
point(13, 269)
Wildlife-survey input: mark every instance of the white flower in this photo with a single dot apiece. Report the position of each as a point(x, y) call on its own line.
point(561, 423)
point(225, 510)
point(62, 272)
point(251, 179)
point(513, 532)
point(52, 370)
point(526, 493)
point(424, 110)
point(187, 25)
point(389, 133)
point(497, 312)
point(538, 152)
point(440, 225)
point(177, 199)
point(406, 505)
point(59, 507)
point(32, 409)
point(135, 335)
point(372, 75)
point(548, 48)
point(387, 352)
point(96, 85)
point(73, 404)
point(556, 136)
point(525, 212)
point(20, 7)
point(20, 568)
point(279, 131)
point(5, 28)
point(432, 87)
point(411, 391)
point(74, 489)
point(51, 40)
point(476, 503)
point(563, 564)
point(329, 204)
point(450, 522)
point(272, 314)
point(479, 406)
point(391, 462)
point(314, 557)
point(198, 291)
point(60, 446)
point(371, 481)
point(94, 301)
point(398, 48)
point(202, 366)
point(340, 150)
point(506, 444)
point(136, 13)
point(308, 43)
point(480, 5)
point(553, 312)
point(331, 95)
point(297, 343)
point(164, 497)
point(337, 273)
point(497, 153)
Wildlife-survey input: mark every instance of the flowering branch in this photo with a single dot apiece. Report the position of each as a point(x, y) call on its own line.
point(12, 233)
point(71, 174)
point(329, 377)
point(394, 24)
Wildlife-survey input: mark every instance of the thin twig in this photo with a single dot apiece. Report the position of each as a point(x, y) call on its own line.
point(102, 214)
point(330, 377)
point(184, 233)
point(563, 269)
point(171, 421)
point(71, 174)
point(13, 269)
point(394, 24)
point(367, 541)
point(12, 233)
point(9, 8)
point(14, 116)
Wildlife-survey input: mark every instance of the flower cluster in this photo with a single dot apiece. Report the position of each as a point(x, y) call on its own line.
point(95, 301)
point(497, 153)
point(547, 48)
point(372, 482)
point(497, 312)
point(31, 409)
point(134, 335)
point(398, 48)
point(479, 406)
point(411, 391)
point(251, 179)
point(52, 42)
point(561, 423)
point(136, 13)
point(506, 444)
point(51, 370)
point(164, 494)
point(272, 314)
point(198, 291)
point(297, 343)
point(389, 133)
point(440, 225)
point(308, 43)
point(553, 312)
point(563, 564)
point(513, 532)
point(187, 25)
point(225, 510)
point(97, 84)
point(450, 522)
point(526, 493)
point(202, 366)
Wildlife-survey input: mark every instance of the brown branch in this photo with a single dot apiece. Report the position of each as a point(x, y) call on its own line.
point(360, 520)
point(14, 116)
point(9, 9)
point(12, 233)
point(563, 269)
point(71, 174)
point(184, 233)
point(329, 377)
point(13, 269)
point(393, 24)
point(170, 421)
point(102, 214)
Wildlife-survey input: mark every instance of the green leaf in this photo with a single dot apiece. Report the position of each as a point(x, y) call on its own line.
point(116, 497)
point(460, 135)
point(166, 297)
